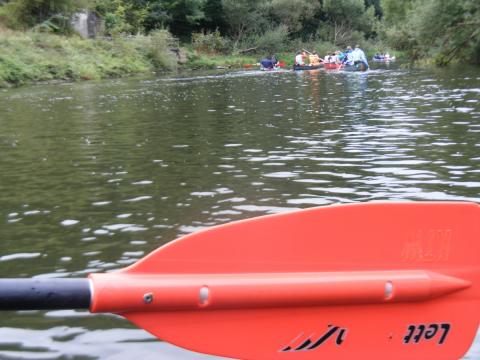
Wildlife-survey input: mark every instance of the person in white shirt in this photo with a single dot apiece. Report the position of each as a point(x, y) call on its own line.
point(299, 59)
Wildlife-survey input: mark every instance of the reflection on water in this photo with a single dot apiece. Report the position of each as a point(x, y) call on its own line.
point(96, 175)
point(75, 343)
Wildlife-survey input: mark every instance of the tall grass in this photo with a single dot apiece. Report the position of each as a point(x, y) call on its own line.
point(158, 47)
point(198, 60)
point(27, 57)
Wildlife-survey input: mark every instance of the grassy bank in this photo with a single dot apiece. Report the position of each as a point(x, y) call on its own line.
point(214, 61)
point(32, 57)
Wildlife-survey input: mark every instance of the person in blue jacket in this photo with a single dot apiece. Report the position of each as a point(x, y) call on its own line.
point(359, 58)
point(348, 56)
point(268, 63)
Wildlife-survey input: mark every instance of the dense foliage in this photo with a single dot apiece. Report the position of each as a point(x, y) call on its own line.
point(442, 30)
point(53, 15)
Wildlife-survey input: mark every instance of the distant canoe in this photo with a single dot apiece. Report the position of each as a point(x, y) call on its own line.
point(383, 58)
point(307, 67)
point(332, 66)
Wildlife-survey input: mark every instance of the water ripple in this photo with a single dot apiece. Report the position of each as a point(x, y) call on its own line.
point(139, 162)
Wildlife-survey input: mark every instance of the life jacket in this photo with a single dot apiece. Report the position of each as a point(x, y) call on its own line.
point(267, 63)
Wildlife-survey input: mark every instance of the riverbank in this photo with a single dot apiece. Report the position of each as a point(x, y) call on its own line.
point(29, 57)
point(33, 57)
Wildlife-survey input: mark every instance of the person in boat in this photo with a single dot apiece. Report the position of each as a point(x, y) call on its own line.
point(268, 63)
point(315, 59)
point(359, 57)
point(383, 57)
point(348, 58)
point(274, 61)
point(334, 57)
point(339, 57)
point(299, 59)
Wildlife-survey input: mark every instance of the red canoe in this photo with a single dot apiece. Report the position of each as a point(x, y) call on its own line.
point(332, 66)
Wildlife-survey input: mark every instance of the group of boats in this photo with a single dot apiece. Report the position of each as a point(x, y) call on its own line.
point(332, 66)
point(385, 58)
point(352, 59)
point(326, 66)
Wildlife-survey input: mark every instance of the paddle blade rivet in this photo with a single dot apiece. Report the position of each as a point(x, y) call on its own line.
point(204, 296)
point(148, 298)
point(388, 290)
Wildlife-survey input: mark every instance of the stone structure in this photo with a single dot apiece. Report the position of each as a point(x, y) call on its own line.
point(87, 24)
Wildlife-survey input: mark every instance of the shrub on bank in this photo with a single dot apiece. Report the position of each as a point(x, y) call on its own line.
point(210, 43)
point(160, 47)
point(271, 41)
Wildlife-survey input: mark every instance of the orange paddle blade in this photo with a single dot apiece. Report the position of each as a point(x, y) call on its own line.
point(369, 281)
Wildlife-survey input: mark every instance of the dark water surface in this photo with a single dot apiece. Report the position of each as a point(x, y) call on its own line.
point(96, 175)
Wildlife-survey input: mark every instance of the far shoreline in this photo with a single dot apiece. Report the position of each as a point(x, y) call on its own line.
point(35, 58)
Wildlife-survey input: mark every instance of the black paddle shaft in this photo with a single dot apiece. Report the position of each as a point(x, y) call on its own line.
point(44, 294)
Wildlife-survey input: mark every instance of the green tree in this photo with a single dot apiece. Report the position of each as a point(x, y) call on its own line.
point(442, 30)
point(376, 5)
point(185, 16)
point(28, 13)
point(346, 21)
point(293, 14)
point(245, 17)
point(181, 17)
point(123, 16)
point(214, 16)
point(157, 17)
point(395, 11)
point(447, 29)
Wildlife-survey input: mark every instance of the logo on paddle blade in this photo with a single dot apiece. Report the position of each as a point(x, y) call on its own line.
point(300, 343)
point(417, 333)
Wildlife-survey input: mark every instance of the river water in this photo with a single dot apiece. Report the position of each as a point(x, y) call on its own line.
point(95, 175)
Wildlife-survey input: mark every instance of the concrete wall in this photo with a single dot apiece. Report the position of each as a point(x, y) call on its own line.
point(87, 24)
